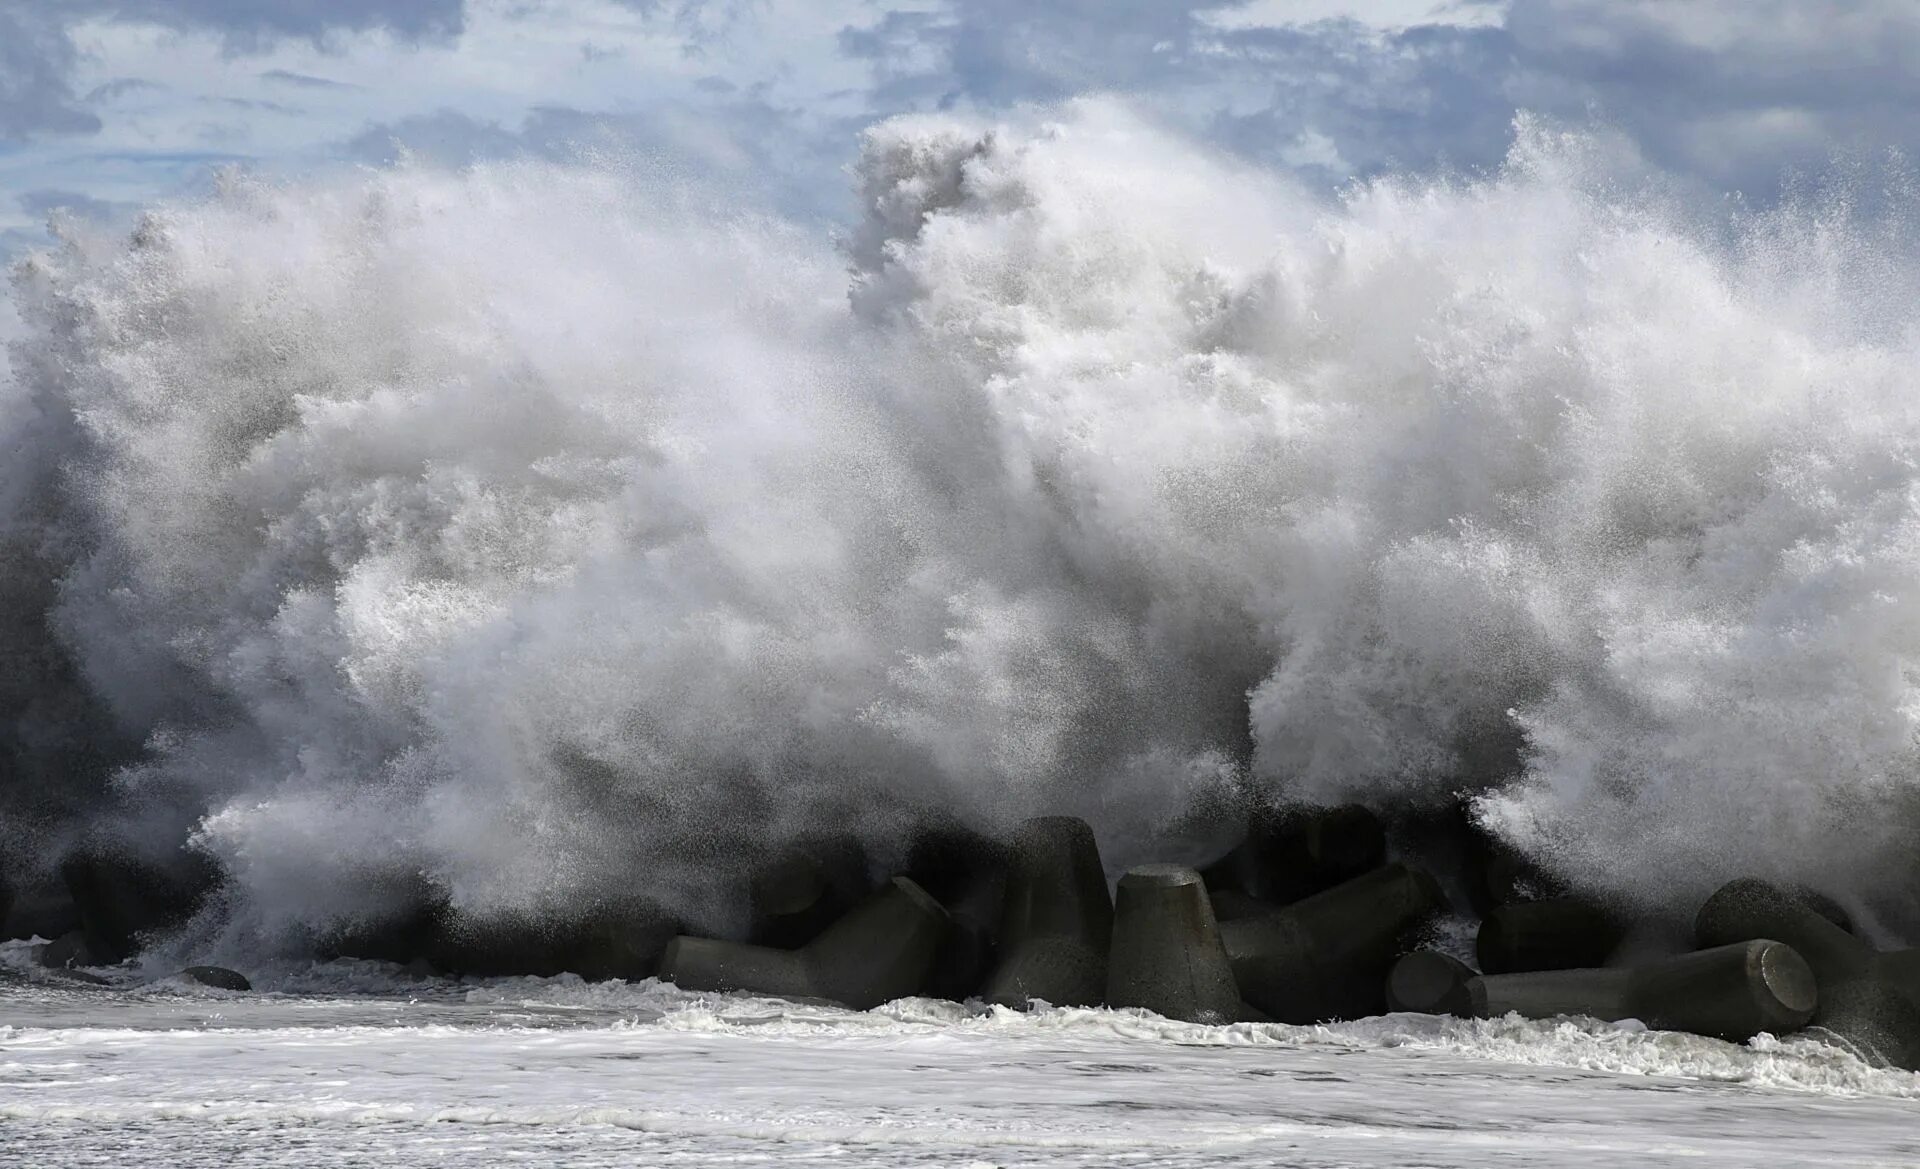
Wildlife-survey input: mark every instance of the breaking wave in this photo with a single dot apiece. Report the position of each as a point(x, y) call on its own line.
point(537, 534)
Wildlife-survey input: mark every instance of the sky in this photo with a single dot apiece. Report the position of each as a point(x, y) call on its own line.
point(109, 105)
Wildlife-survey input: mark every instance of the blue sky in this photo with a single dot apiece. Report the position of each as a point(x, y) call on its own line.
point(109, 104)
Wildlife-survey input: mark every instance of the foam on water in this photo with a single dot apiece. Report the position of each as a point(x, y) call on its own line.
point(536, 535)
point(352, 1061)
point(606, 1075)
point(343, 999)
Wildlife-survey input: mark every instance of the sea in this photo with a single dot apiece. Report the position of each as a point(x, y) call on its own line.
point(521, 540)
point(358, 1063)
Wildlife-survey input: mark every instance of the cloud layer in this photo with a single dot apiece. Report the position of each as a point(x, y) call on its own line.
point(36, 63)
point(1725, 98)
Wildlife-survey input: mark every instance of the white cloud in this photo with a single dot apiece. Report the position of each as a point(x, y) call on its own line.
point(36, 90)
point(1725, 97)
point(1385, 14)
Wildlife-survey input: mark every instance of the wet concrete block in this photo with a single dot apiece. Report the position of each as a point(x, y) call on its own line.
point(1749, 908)
point(1232, 905)
point(1825, 906)
point(624, 941)
point(1731, 992)
point(967, 873)
point(611, 939)
point(714, 964)
point(797, 895)
point(880, 951)
point(1900, 969)
point(1327, 957)
point(1859, 1003)
point(1604, 993)
point(1427, 982)
point(1057, 928)
point(1293, 853)
point(1559, 933)
point(1481, 871)
point(1166, 954)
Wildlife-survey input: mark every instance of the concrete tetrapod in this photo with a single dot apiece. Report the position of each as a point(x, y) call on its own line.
point(879, 952)
point(1478, 870)
point(1427, 982)
point(1901, 968)
point(1731, 992)
point(612, 939)
point(966, 873)
point(1859, 1004)
point(1296, 853)
point(1825, 906)
point(1327, 957)
point(1232, 904)
point(1058, 926)
point(1559, 933)
point(800, 893)
point(1167, 955)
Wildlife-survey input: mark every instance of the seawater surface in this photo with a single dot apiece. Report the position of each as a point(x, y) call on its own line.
point(350, 1064)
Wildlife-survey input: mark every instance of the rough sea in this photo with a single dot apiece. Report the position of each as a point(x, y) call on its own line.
point(358, 1064)
point(513, 541)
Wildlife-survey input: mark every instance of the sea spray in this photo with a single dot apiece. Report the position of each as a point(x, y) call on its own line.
point(533, 535)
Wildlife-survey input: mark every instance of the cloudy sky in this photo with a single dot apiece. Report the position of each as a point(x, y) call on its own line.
point(109, 104)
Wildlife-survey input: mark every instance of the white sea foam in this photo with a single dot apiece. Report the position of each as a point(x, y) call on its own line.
point(525, 1069)
point(544, 534)
point(346, 999)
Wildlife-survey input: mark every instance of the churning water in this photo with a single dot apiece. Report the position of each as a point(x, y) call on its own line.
point(539, 532)
point(349, 1066)
point(532, 535)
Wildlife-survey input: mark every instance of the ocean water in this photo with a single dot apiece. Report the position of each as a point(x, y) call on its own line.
point(355, 1064)
point(523, 537)
point(532, 538)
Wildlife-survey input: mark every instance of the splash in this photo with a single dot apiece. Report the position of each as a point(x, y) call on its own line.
point(539, 534)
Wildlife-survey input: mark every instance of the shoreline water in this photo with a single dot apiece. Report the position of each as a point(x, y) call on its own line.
point(418, 1070)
